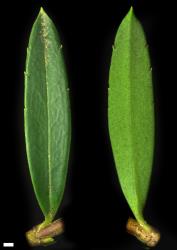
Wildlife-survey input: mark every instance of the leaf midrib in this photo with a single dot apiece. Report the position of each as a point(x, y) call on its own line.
point(131, 105)
point(44, 35)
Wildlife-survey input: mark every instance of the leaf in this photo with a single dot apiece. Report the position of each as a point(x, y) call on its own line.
point(47, 115)
point(131, 112)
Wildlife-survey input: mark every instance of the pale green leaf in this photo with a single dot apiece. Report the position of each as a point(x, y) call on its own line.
point(131, 112)
point(47, 115)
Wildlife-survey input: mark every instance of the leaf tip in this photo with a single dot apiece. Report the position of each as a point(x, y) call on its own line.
point(131, 9)
point(42, 12)
point(129, 15)
point(131, 12)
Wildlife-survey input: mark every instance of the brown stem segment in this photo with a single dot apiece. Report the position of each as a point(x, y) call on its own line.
point(44, 236)
point(149, 236)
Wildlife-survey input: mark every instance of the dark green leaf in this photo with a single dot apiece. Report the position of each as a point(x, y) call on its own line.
point(47, 115)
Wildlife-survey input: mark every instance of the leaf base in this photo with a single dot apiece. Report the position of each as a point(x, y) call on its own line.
point(38, 236)
point(146, 234)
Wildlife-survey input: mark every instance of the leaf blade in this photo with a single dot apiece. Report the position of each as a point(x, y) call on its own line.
point(47, 115)
point(130, 112)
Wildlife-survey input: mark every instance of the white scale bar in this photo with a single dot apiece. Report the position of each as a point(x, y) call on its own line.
point(9, 244)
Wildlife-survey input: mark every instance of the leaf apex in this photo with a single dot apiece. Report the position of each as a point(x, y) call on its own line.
point(129, 16)
point(42, 12)
point(131, 9)
point(131, 12)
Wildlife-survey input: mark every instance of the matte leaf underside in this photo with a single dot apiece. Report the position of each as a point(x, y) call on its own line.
point(130, 112)
point(47, 115)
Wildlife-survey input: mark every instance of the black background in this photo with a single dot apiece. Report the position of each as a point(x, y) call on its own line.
point(94, 209)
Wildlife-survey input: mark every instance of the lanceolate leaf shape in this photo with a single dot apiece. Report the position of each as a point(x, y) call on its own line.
point(131, 112)
point(47, 115)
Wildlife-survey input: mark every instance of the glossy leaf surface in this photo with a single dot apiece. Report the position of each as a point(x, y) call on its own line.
point(47, 115)
point(131, 112)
